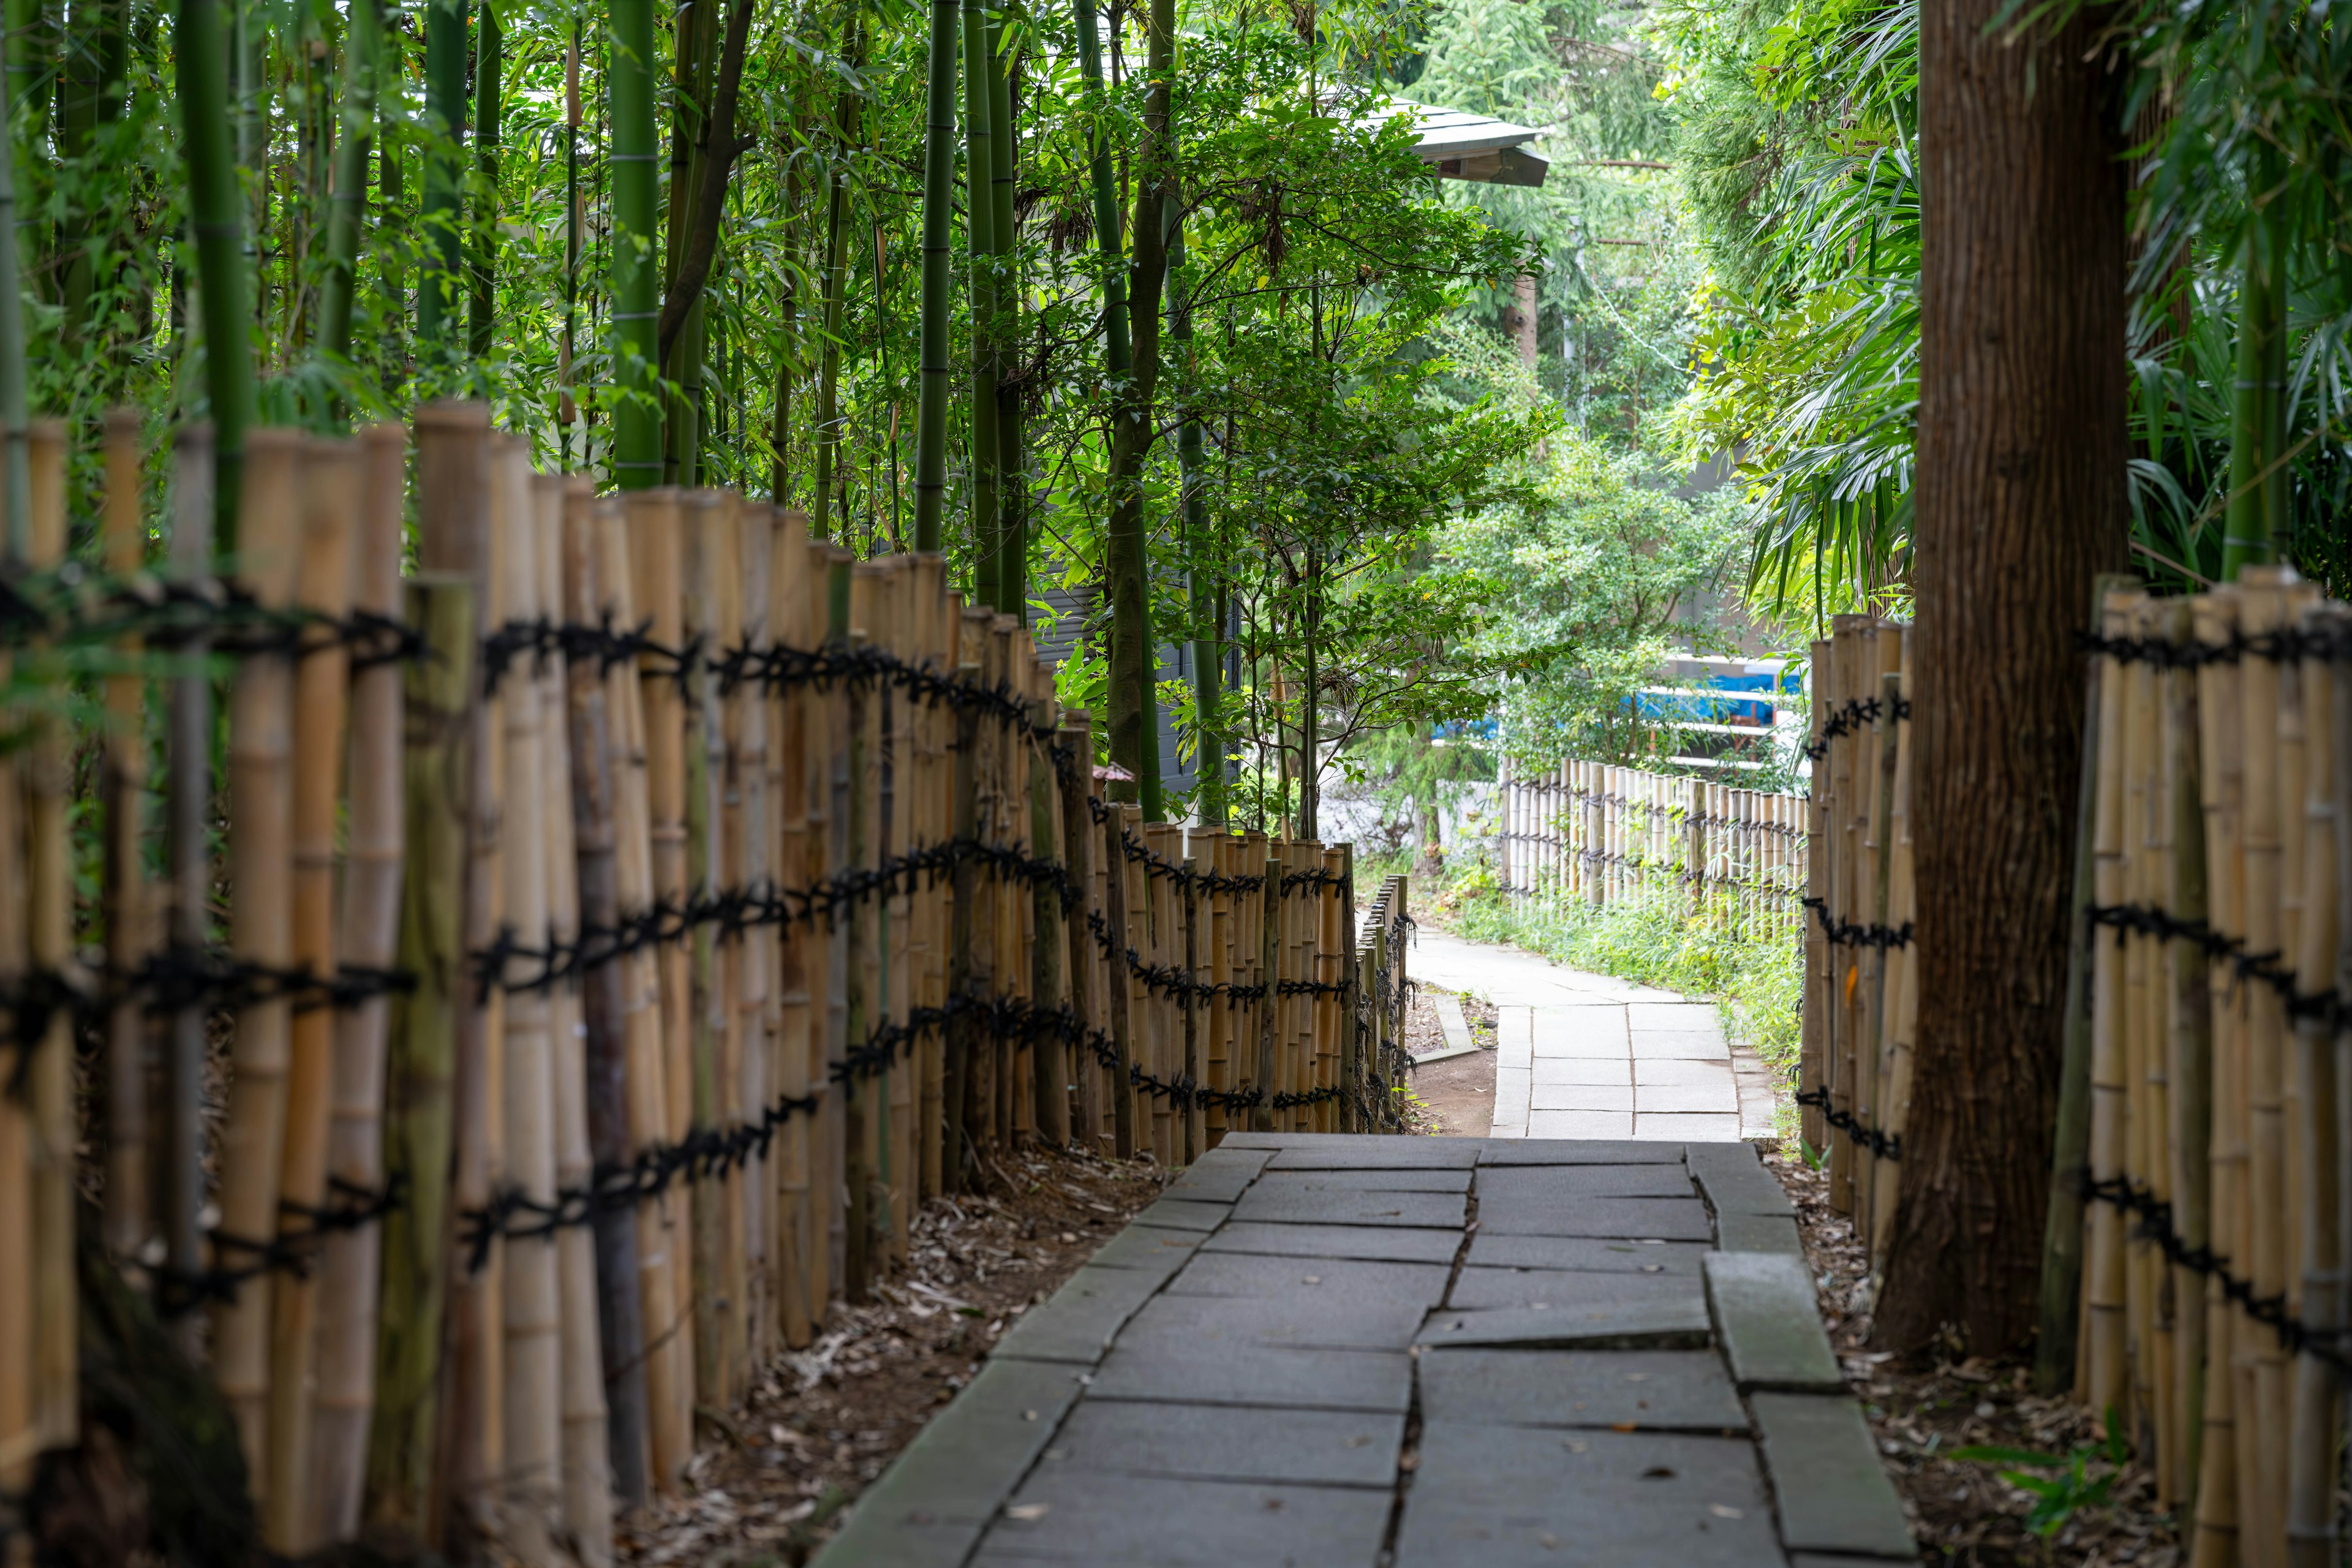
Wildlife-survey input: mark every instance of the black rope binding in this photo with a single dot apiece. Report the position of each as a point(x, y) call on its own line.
point(1847, 933)
point(2155, 1217)
point(1885, 1145)
point(179, 1292)
point(1858, 712)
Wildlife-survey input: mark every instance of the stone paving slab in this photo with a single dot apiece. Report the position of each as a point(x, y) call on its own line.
point(1758, 1233)
point(1666, 1219)
point(1584, 1252)
point(1575, 1151)
point(1674, 1323)
point(929, 1508)
point(1377, 1243)
point(1226, 1443)
point(1833, 1492)
point(1176, 1214)
point(1187, 1327)
point(1231, 1380)
point(1498, 1497)
point(1149, 1246)
point(1219, 1176)
point(1666, 1390)
point(1257, 1274)
point(1577, 1123)
point(1482, 1289)
point(1579, 1183)
point(1402, 1179)
point(1143, 1522)
point(1332, 1206)
point(1735, 1182)
point(1077, 1323)
point(1763, 1308)
point(1411, 1154)
point(1257, 1374)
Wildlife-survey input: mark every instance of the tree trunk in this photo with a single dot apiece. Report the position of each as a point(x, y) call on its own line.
point(2021, 502)
point(1134, 726)
point(1010, 544)
point(980, 247)
point(938, 223)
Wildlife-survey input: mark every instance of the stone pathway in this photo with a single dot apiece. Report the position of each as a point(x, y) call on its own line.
point(1364, 1352)
point(1582, 1056)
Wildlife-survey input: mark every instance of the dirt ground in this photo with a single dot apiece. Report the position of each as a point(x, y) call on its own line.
point(1451, 1099)
point(1963, 1513)
point(773, 1479)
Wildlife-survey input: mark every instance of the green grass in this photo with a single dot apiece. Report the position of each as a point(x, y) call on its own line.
point(1652, 938)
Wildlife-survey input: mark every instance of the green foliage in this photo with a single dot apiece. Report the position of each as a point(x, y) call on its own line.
point(1577, 588)
point(2058, 1498)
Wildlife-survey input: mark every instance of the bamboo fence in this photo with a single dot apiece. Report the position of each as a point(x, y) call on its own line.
point(1600, 834)
point(1860, 1001)
point(633, 915)
point(2202, 1197)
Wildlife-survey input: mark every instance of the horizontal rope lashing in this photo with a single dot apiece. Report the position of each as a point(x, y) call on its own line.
point(708, 1152)
point(178, 1292)
point(735, 910)
point(1850, 719)
point(2329, 1007)
point(1848, 934)
point(2288, 644)
point(70, 605)
point(775, 667)
point(1885, 1145)
point(174, 979)
point(2155, 1216)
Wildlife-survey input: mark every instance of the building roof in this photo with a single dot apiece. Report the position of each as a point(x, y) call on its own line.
point(1476, 147)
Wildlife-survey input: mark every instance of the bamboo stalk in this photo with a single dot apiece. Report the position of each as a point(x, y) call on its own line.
point(2191, 1042)
point(2263, 1470)
point(661, 1224)
point(2322, 956)
point(189, 763)
point(2106, 1344)
point(657, 550)
point(604, 1001)
point(532, 1318)
point(350, 1275)
point(332, 478)
point(418, 1128)
point(252, 1139)
point(708, 1013)
point(796, 1261)
point(755, 1030)
point(20, 1436)
point(129, 903)
point(2146, 1416)
point(56, 1395)
point(458, 516)
point(2220, 787)
point(586, 1469)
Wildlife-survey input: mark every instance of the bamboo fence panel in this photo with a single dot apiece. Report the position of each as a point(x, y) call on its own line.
point(632, 919)
point(2217, 945)
point(1603, 835)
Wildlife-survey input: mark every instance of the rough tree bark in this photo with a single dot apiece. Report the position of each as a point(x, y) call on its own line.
point(2020, 502)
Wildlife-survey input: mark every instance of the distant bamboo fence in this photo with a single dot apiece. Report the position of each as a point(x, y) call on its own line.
point(1601, 834)
point(2202, 1166)
point(633, 915)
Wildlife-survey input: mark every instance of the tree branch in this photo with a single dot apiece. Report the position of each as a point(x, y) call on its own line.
point(720, 149)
